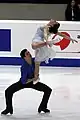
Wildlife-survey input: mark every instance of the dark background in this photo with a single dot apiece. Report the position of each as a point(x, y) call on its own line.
point(38, 1)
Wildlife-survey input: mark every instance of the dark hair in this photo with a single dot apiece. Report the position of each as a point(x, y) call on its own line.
point(54, 29)
point(22, 53)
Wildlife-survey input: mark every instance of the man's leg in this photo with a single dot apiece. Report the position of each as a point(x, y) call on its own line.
point(8, 96)
point(18, 86)
point(47, 91)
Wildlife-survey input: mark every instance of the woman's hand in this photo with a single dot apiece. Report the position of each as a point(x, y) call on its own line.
point(74, 41)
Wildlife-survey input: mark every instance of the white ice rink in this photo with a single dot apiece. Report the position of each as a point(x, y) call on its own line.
point(64, 102)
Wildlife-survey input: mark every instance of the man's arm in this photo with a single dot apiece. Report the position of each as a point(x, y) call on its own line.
point(46, 32)
point(36, 45)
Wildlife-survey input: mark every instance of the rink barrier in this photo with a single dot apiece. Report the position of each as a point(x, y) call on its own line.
point(57, 62)
point(16, 35)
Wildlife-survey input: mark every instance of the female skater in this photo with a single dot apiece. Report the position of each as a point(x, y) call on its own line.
point(42, 45)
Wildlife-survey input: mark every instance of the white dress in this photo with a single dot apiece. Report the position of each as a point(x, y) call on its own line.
point(43, 53)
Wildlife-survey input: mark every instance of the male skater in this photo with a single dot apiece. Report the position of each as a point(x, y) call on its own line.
point(26, 81)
